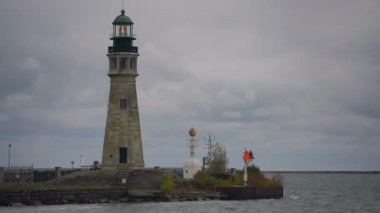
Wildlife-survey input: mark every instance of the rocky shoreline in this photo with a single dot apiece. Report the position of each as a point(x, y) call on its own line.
point(102, 196)
point(86, 187)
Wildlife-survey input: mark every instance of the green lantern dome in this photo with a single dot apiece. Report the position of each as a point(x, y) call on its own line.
point(122, 19)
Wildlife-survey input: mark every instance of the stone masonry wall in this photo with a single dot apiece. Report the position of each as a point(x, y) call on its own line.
point(62, 196)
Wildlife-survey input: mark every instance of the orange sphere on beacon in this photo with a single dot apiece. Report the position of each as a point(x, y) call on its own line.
point(192, 132)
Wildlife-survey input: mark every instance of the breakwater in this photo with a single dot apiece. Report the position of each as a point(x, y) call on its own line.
point(87, 196)
point(119, 186)
point(120, 195)
point(251, 192)
point(59, 196)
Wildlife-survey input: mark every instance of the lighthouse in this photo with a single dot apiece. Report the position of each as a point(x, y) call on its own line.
point(122, 148)
point(192, 164)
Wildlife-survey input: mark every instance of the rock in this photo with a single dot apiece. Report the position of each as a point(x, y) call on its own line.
point(16, 204)
point(142, 193)
point(69, 198)
point(64, 201)
point(27, 203)
point(48, 202)
point(165, 198)
point(169, 196)
point(147, 199)
point(138, 200)
point(84, 200)
point(37, 203)
point(103, 200)
point(124, 200)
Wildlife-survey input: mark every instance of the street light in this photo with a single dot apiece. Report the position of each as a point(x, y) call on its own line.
point(9, 156)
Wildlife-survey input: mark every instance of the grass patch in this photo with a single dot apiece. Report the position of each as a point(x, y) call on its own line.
point(207, 181)
point(204, 180)
point(257, 179)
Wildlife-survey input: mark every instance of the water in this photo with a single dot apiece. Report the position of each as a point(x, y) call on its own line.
point(302, 193)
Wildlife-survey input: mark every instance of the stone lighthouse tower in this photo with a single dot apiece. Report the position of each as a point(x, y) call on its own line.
point(122, 147)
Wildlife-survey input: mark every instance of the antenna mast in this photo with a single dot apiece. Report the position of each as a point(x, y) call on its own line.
point(209, 145)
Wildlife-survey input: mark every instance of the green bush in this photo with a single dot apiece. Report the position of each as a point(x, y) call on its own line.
point(255, 178)
point(253, 170)
point(167, 184)
point(205, 181)
point(236, 179)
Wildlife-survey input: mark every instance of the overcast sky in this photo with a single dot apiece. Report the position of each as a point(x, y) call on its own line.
point(296, 81)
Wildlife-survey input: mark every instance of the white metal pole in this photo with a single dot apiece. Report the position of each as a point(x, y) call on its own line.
point(245, 176)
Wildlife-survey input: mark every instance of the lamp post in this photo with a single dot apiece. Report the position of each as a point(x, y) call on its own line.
point(9, 156)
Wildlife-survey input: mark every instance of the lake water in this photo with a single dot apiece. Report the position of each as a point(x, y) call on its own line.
point(302, 193)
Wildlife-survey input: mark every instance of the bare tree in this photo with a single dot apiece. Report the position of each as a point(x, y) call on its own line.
point(219, 159)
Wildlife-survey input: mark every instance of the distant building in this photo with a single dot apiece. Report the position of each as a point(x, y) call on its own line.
point(81, 161)
point(192, 165)
point(122, 147)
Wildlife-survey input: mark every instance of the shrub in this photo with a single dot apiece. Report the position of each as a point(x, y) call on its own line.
point(236, 179)
point(219, 159)
point(206, 181)
point(259, 180)
point(254, 170)
point(167, 184)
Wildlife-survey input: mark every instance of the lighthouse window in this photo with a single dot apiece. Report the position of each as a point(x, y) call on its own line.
point(133, 63)
point(123, 104)
point(123, 63)
point(113, 63)
point(123, 153)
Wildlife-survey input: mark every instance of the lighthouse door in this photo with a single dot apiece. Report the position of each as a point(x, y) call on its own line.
point(123, 155)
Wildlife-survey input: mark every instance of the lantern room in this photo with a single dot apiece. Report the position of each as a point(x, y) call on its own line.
point(122, 26)
point(122, 35)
